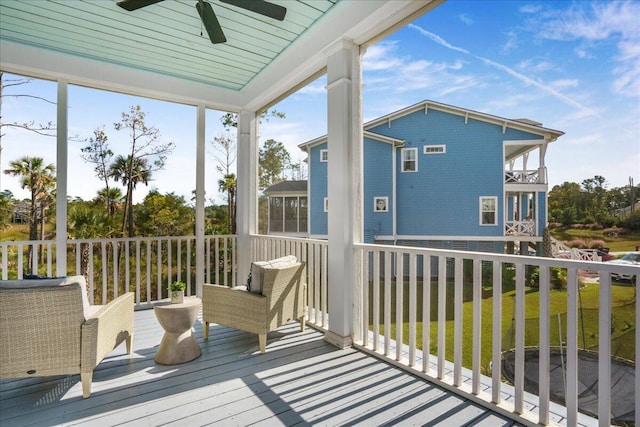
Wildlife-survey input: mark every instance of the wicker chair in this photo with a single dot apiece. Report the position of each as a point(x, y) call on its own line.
point(282, 301)
point(47, 328)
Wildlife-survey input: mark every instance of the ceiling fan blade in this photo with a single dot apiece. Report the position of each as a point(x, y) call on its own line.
point(260, 6)
point(136, 4)
point(210, 22)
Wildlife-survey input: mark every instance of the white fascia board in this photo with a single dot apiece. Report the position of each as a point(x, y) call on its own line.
point(321, 139)
point(44, 64)
point(358, 20)
point(526, 188)
point(285, 193)
point(469, 238)
point(305, 146)
point(383, 138)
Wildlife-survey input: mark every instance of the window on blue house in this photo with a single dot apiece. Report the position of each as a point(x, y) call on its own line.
point(488, 210)
point(381, 204)
point(434, 149)
point(324, 155)
point(409, 158)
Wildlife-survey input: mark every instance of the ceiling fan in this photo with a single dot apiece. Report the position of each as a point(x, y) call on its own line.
point(208, 16)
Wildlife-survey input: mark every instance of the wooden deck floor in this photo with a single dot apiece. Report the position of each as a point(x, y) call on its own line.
point(301, 380)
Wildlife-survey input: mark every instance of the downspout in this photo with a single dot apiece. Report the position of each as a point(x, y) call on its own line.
point(393, 194)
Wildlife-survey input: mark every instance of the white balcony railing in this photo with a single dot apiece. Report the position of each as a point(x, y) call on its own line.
point(314, 254)
point(416, 300)
point(535, 176)
point(144, 265)
point(520, 228)
point(426, 310)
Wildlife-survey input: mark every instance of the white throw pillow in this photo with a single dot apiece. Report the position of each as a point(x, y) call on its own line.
point(258, 266)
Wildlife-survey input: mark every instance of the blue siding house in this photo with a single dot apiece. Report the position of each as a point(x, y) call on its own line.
point(441, 176)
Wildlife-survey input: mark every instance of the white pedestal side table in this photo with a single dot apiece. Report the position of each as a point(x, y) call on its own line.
point(178, 344)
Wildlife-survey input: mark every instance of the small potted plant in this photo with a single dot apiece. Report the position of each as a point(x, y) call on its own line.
point(177, 292)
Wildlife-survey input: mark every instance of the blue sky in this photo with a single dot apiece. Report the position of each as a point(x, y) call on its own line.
point(573, 66)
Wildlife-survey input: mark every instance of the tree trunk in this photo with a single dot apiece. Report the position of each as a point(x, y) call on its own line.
point(33, 230)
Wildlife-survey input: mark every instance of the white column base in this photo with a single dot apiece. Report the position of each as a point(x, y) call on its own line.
point(338, 340)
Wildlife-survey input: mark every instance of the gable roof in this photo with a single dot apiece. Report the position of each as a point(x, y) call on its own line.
point(371, 135)
point(526, 125)
point(299, 186)
point(519, 124)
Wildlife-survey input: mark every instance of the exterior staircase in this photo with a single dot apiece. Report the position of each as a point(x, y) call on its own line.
point(560, 250)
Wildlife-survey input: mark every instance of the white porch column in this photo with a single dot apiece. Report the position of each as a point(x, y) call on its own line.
point(61, 178)
point(246, 190)
point(344, 184)
point(200, 177)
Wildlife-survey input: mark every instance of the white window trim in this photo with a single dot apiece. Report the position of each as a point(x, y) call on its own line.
point(443, 148)
point(326, 204)
point(324, 155)
point(480, 211)
point(386, 204)
point(402, 160)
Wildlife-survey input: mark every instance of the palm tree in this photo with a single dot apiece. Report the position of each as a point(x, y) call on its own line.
point(228, 184)
point(112, 198)
point(36, 177)
point(39, 179)
point(131, 171)
point(87, 223)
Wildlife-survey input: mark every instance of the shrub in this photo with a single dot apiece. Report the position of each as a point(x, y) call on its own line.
point(576, 243)
point(614, 231)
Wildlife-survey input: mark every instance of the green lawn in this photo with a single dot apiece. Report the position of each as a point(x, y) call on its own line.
point(623, 319)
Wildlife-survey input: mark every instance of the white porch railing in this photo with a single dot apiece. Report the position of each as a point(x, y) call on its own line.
point(314, 254)
point(524, 177)
point(421, 327)
point(144, 265)
point(520, 228)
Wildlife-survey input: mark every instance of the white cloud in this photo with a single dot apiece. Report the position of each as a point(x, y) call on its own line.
point(528, 81)
point(511, 43)
point(530, 8)
point(583, 53)
point(387, 71)
point(313, 89)
point(600, 21)
point(563, 83)
point(457, 65)
point(466, 19)
point(532, 66)
point(381, 56)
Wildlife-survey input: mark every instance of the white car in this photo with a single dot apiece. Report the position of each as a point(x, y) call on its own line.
point(632, 258)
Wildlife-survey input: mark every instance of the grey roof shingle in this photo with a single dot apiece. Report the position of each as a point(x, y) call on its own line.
point(287, 187)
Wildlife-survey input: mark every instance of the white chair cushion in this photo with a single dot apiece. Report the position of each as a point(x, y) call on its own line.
point(258, 266)
point(87, 309)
